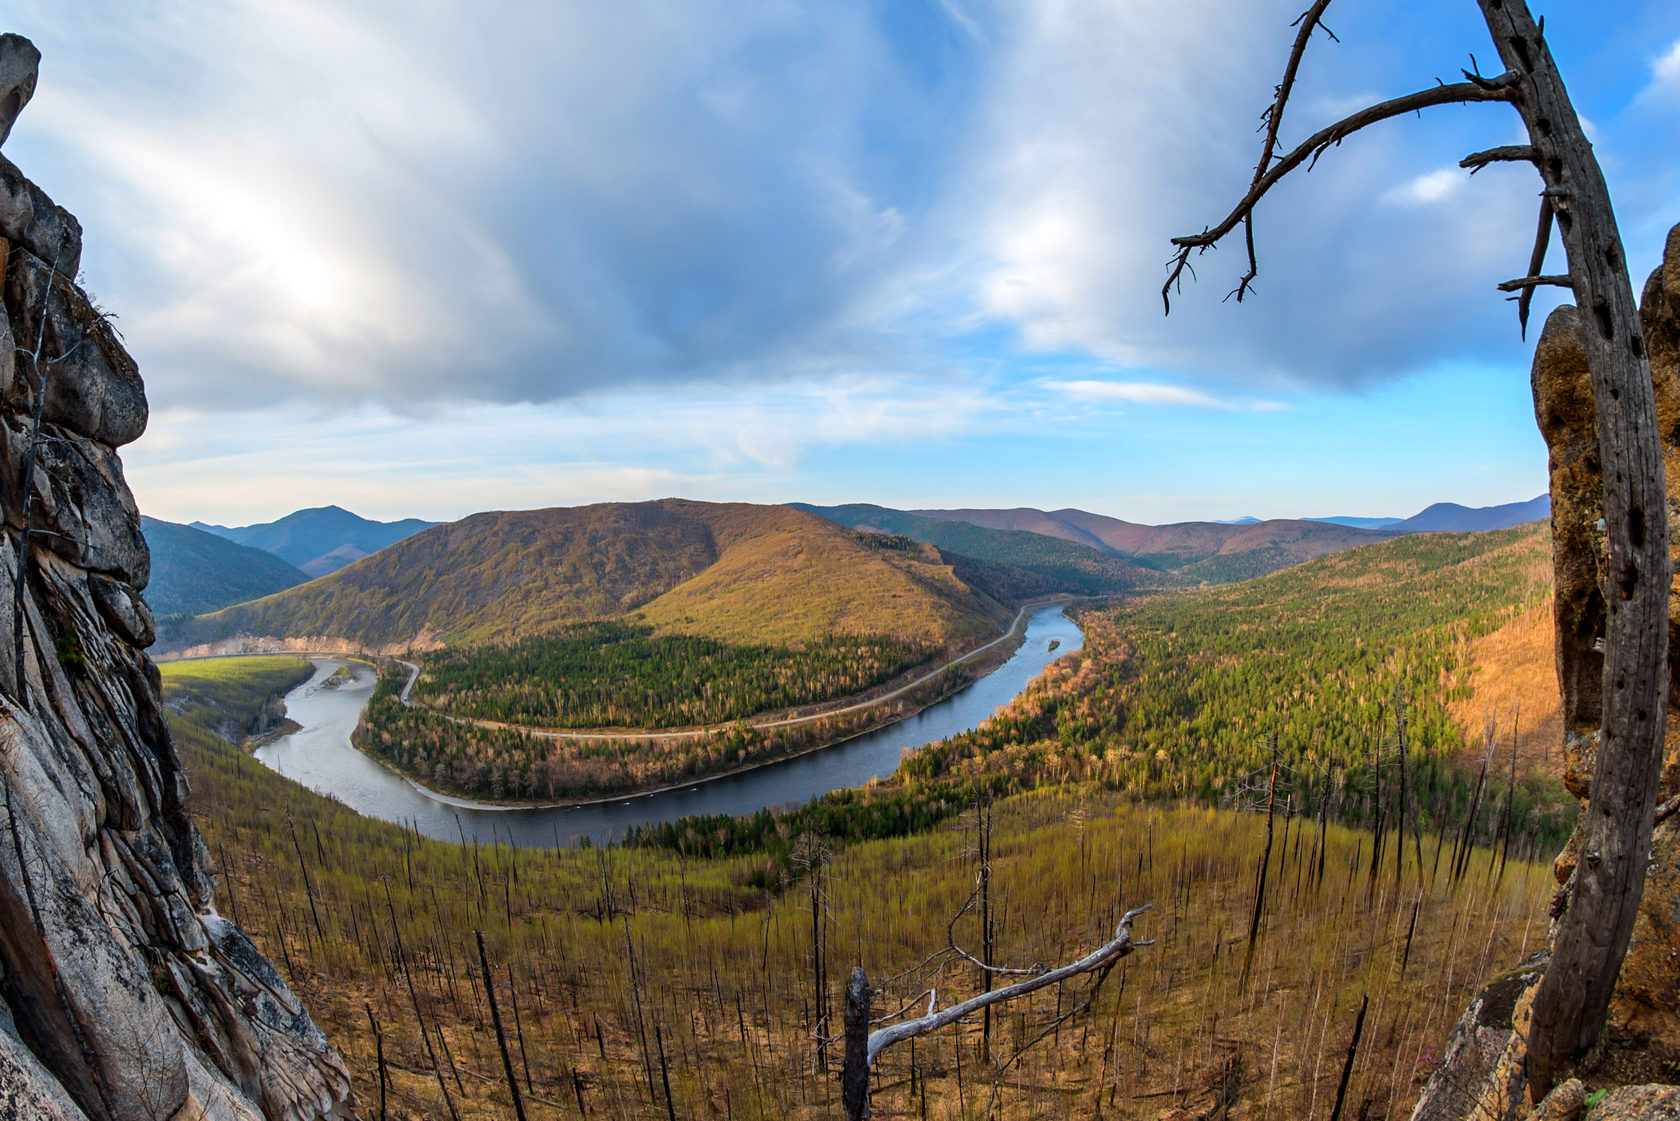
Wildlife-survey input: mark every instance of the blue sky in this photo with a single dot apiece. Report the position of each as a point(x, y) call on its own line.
point(426, 259)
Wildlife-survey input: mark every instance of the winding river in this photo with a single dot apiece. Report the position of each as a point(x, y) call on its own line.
point(321, 757)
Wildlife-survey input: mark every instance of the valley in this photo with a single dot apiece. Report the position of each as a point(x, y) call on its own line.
point(578, 937)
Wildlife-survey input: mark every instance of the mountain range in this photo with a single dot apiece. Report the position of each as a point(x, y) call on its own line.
point(735, 571)
point(1450, 517)
point(319, 540)
point(732, 571)
point(194, 572)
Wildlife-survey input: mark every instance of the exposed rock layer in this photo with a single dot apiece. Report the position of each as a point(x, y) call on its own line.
point(126, 997)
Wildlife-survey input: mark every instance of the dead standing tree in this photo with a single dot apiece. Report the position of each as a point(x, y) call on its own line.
point(1593, 932)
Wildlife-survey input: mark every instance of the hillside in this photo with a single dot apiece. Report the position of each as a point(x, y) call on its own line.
point(1214, 552)
point(1069, 565)
point(194, 572)
point(319, 540)
point(735, 572)
point(649, 984)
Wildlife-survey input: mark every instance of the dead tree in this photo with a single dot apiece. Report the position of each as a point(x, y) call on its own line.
point(863, 1046)
point(1593, 932)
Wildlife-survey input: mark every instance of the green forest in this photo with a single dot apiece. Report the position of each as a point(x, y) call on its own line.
point(500, 763)
point(624, 675)
point(1177, 697)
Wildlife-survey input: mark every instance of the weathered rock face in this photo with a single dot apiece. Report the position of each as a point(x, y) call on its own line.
point(125, 996)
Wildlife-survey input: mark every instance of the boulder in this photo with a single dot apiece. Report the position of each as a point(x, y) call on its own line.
point(20, 63)
point(1638, 1103)
point(30, 219)
point(93, 387)
point(1481, 1071)
point(1563, 408)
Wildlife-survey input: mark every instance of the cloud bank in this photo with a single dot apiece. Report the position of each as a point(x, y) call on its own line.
point(416, 205)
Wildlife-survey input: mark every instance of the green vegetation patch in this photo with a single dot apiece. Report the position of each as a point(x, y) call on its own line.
point(233, 698)
point(621, 675)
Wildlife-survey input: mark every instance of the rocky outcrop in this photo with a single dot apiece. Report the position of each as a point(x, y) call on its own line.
point(126, 997)
point(1483, 1075)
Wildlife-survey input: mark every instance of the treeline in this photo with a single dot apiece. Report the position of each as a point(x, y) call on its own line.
point(616, 674)
point(1178, 697)
point(506, 764)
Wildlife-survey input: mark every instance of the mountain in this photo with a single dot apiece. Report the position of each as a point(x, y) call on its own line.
point(1450, 517)
point(1216, 552)
point(731, 571)
point(194, 572)
point(319, 540)
point(1084, 567)
point(1356, 522)
point(1246, 519)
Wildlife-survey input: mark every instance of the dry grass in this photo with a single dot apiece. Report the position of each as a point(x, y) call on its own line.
point(1514, 677)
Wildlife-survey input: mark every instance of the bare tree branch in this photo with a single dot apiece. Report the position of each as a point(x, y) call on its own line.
point(1510, 153)
point(1542, 239)
point(1529, 283)
point(1273, 116)
point(1119, 947)
point(1315, 146)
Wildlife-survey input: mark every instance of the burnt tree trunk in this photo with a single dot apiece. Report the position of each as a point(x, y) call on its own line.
point(1593, 931)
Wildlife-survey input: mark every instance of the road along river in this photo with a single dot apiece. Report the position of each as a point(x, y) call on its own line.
point(321, 757)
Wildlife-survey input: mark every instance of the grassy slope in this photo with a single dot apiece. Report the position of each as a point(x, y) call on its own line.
point(730, 571)
point(1073, 566)
point(194, 571)
point(613, 956)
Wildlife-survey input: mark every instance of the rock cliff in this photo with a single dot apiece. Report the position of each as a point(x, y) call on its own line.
point(1483, 1076)
point(126, 997)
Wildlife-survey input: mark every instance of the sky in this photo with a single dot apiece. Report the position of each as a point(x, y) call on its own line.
point(422, 259)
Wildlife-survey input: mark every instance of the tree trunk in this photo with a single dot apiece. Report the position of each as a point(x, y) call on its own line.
point(1594, 929)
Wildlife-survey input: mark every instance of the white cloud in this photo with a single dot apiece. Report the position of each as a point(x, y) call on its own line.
point(1115, 127)
point(1136, 392)
point(1665, 73)
point(704, 442)
point(1431, 187)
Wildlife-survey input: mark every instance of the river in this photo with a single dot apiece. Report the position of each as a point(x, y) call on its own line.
point(321, 757)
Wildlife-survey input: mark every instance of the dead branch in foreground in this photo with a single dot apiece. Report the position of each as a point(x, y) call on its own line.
point(864, 1046)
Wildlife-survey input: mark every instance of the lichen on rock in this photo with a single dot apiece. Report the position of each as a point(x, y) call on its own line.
point(126, 997)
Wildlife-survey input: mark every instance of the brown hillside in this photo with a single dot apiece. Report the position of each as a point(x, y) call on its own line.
point(729, 570)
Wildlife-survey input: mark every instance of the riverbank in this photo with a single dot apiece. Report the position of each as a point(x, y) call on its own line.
point(501, 764)
point(323, 758)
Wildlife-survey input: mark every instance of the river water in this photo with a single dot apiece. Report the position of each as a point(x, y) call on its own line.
point(321, 757)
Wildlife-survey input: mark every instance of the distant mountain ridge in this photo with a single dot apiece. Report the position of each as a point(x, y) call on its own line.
point(194, 572)
point(731, 571)
point(321, 539)
point(1216, 552)
point(1450, 517)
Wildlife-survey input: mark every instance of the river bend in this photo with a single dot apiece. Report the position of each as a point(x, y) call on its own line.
point(321, 757)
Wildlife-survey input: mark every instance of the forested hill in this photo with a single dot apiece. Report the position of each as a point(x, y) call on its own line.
point(736, 572)
point(194, 571)
point(1064, 565)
